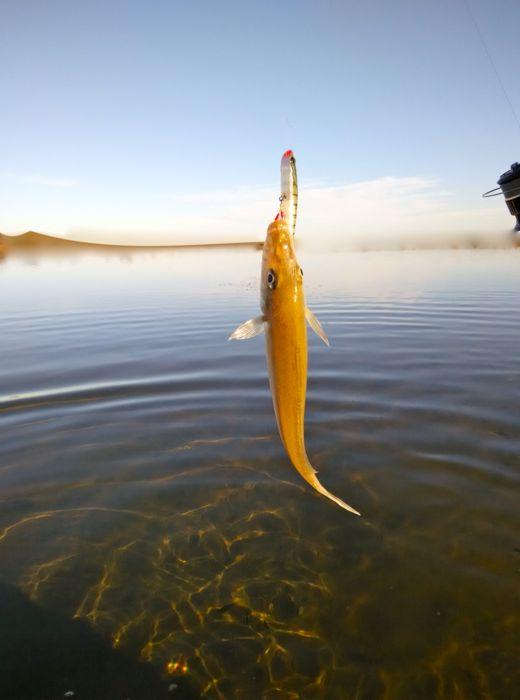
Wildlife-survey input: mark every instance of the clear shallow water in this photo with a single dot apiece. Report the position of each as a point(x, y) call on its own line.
point(152, 531)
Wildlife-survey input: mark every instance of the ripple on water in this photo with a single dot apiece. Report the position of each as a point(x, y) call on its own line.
point(144, 490)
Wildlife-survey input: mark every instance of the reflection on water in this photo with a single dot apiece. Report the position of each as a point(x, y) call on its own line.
point(145, 492)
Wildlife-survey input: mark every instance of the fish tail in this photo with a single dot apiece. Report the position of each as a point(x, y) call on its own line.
point(309, 474)
point(321, 489)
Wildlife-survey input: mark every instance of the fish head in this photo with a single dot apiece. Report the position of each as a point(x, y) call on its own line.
point(282, 277)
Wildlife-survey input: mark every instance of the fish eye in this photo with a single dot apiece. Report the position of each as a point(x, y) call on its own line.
point(271, 279)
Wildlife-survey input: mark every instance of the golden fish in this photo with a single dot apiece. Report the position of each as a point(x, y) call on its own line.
point(283, 318)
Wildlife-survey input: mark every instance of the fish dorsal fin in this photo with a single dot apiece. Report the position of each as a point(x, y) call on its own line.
point(316, 325)
point(248, 329)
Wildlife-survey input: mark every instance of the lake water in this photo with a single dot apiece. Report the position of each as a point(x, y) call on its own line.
point(155, 541)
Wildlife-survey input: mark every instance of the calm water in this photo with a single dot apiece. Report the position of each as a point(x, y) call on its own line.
point(156, 542)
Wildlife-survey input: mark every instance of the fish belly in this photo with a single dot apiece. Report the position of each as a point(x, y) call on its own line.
point(286, 345)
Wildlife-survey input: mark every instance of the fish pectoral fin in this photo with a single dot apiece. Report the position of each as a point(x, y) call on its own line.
point(248, 329)
point(316, 325)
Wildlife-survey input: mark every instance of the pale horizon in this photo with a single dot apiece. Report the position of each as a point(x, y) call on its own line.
point(388, 212)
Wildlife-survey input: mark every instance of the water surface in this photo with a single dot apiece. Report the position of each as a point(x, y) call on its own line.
point(156, 542)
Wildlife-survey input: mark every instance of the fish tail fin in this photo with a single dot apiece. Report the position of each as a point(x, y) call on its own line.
point(309, 474)
point(321, 489)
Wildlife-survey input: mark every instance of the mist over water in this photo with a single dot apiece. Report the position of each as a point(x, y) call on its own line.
point(387, 213)
point(418, 240)
point(145, 493)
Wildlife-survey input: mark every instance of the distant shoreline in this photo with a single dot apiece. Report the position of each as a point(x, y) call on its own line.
point(32, 243)
point(33, 239)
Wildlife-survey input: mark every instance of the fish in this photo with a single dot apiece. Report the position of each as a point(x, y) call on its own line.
point(283, 320)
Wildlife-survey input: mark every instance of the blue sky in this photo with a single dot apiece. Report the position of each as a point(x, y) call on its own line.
point(167, 116)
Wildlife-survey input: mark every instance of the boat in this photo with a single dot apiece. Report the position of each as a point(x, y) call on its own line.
point(509, 185)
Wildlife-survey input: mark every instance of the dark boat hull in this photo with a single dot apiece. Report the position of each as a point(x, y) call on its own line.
point(510, 185)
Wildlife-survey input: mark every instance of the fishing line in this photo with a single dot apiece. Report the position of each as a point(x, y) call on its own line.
point(499, 79)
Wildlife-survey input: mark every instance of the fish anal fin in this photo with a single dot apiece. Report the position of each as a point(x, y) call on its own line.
point(316, 325)
point(248, 329)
